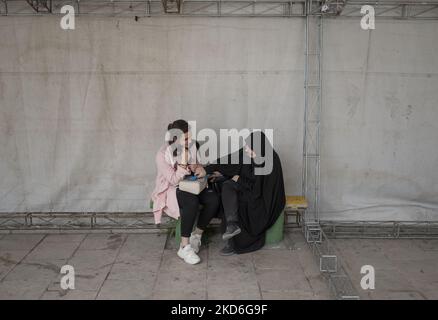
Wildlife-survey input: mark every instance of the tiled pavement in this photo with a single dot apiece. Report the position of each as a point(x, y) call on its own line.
point(404, 269)
point(145, 266)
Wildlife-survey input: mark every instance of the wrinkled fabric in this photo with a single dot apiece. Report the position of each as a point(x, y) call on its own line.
point(261, 197)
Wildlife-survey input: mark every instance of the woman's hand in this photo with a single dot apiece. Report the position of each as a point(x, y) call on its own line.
point(235, 178)
point(200, 172)
point(214, 175)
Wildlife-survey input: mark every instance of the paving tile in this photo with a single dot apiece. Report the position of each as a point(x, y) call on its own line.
point(231, 277)
point(393, 281)
point(69, 295)
point(319, 285)
point(283, 280)
point(296, 238)
point(424, 284)
point(49, 251)
point(292, 295)
point(181, 281)
point(139, 255)
point(354, 257)
point(233, 270)
point(215, 241)
point(145, 241)
point(238, 263)
point(57, 238)
point(284, 244)
point(35, 271)
point(427, 245)
point(232, 283)
point(404, 250)
point(397, 295)
point(355, 264)
point(308, 262)
point(431, 294)
point(279, 259)
point(22, 289)
point(92, 258)
point(85, 279)
point(8, 260)
point(404, 270)
point(16, 242)
point(233, 291)
point(134, 270)
point(178, 295)
point(142, 247)
point(102, 241)
point(126, 289)
point(426, 269)
point(385, 280)
point(423, 275)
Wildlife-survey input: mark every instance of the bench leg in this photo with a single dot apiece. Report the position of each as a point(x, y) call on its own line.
point(275, 233)
point(178, 232)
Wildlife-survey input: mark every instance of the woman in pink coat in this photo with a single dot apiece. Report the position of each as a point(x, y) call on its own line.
point(174, 161)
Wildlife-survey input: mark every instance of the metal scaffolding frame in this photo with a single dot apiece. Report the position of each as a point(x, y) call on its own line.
point(400, 10)
point(386, 9)
point(381, 229)
point(312, 111)
point(160, 8)
point(330, 265)
point(101, 221)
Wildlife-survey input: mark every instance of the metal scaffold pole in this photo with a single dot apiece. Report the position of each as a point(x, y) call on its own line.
point(330, 265)
point(312, 112)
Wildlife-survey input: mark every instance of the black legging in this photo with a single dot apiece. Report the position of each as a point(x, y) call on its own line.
point(230, 201)
point(189, 206)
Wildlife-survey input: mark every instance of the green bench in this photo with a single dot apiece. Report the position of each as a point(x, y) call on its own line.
point(275, 233)
point(297, 204)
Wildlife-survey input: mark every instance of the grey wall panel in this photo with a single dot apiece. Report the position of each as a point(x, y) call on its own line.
point(380, 115)
point(83, 112)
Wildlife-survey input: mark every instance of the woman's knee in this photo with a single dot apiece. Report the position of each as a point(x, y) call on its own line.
point(187, 199)
point(229, 183)
point(228, 187)
point(211, 199)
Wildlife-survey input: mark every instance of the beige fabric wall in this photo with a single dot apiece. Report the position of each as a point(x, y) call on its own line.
point(83, 112)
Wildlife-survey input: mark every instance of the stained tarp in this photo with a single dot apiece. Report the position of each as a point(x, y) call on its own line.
point(83, 112)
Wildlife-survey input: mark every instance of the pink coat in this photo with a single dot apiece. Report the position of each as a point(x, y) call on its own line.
point(169, 174)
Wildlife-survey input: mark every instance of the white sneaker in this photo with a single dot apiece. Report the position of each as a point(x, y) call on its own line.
point(188, 255)
point(195, 241)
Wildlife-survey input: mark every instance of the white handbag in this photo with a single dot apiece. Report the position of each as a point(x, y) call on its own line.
point(192, 184)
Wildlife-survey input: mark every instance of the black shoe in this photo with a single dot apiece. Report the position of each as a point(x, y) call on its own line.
point(228, 250)
point(232, 230)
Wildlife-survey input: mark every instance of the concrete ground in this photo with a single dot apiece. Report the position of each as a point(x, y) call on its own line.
point(145, 266)
point(404, 269)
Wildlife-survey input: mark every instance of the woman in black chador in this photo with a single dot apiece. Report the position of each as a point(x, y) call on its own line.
point(253, 197)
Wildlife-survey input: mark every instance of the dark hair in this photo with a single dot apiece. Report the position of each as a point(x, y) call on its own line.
point(176, 127)
point(181, 125)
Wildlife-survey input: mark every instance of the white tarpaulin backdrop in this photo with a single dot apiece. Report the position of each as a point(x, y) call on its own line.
point(83, 112)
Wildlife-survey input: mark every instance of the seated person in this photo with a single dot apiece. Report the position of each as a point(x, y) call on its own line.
point(252, 202)
point(172, 167)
